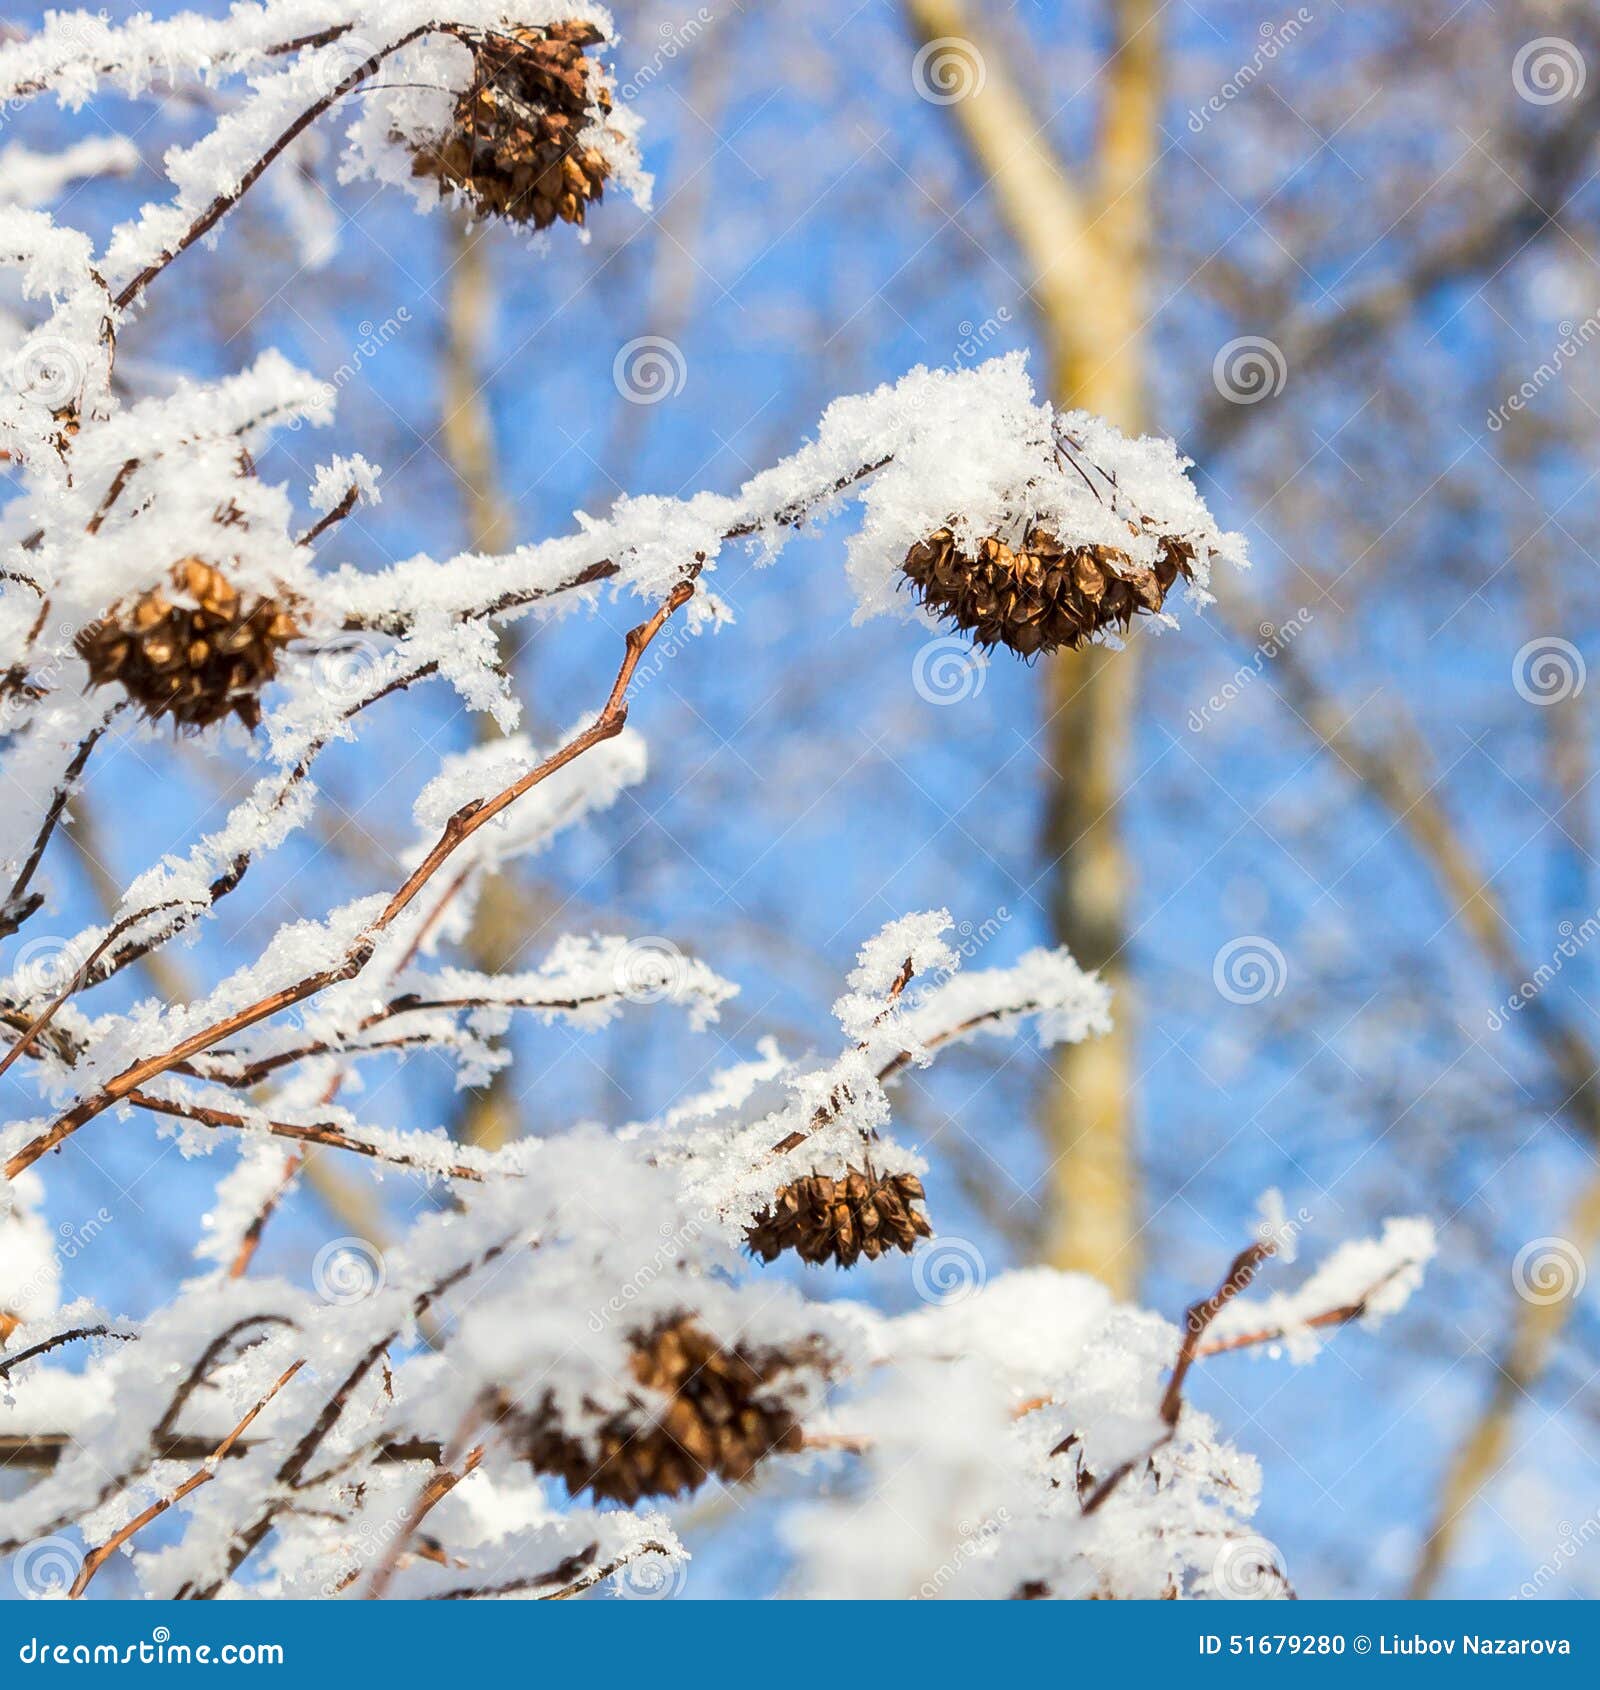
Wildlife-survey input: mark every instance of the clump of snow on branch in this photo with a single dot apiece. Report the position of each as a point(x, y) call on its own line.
point(780, 1119)
point(1371, 1277)
point(30, 1268)
point(982, 456)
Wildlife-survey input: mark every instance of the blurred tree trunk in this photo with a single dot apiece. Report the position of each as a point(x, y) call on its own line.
point(1087, 249)
point(488, 1116)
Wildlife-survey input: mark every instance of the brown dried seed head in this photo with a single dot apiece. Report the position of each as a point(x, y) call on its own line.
point(513, 151)
point(724, 1411)
point(1040, 595)
point(822, 1219)
point(193, 649)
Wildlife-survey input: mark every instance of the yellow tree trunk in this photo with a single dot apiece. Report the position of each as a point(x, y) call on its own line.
point(1086, 253)
point(488, 1115)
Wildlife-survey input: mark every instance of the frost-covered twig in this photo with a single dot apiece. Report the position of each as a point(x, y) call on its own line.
point(1199, 1318)
point(461, 826)
point(101, 1553)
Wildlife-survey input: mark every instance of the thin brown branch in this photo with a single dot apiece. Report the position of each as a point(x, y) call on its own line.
point(251, 1241)
point(436, 1488)
point(460, 827)
point(1341, 1316)
point(323, 1133)
point(97, 1558)
point(331, 519)
point(17, 907)
point(55, 1342)
point(224, 203)
point(43, 1020)
point(1199, 1318)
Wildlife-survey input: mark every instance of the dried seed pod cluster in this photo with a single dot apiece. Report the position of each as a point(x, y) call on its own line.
point(841, 1220)
point(1036, 594)
point(711, 1412)
point(195, 649)
point(515, 150)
